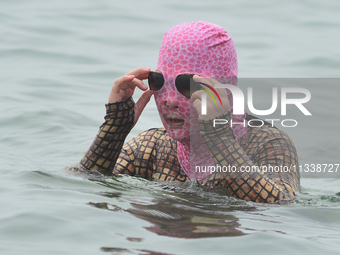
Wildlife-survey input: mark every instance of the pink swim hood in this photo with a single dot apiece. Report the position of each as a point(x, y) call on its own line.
point(200, 48)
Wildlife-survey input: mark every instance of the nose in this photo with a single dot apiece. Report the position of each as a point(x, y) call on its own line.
point(170, 105)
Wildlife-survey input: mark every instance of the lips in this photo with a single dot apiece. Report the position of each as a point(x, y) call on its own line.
point(173, 120)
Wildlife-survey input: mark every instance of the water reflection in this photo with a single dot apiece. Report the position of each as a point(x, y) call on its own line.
point(175, 220)
point(186, 219)
point(119, 251)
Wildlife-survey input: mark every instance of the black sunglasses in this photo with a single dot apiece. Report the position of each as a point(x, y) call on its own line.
point(182, 83)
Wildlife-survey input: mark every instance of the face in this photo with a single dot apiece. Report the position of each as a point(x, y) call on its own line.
point(174, 109)
point(198, 48)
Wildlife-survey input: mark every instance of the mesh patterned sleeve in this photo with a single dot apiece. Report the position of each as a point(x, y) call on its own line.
point(263, 164)
point(104, 150)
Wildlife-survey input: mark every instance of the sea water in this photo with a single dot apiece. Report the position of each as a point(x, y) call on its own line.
point(58, 61)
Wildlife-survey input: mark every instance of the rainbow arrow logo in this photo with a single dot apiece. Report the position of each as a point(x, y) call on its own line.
point(209, 93)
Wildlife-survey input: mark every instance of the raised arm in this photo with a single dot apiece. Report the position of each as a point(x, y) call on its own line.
point(249, 160)
point(262, 166)
point(104, 150)
point(121, 115)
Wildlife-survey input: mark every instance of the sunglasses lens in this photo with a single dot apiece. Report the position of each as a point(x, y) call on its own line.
point(156, 81)
point(184, 86)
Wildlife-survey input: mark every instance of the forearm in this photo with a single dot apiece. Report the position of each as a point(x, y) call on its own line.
point(104, 150)
point(255, 185)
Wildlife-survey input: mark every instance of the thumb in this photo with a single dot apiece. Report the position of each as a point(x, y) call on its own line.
point(141, 103)
point(197, 105)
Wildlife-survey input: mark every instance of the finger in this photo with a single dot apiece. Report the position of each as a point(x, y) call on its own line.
point(140, 72)
point(222, 92)
point(197, 95)
point(141, 103)
point(207, 91)
point(202, 80)
point(128, 81)
point(214, 81)
point(134, 83)
point(206, 83)
point(196, 100)
point(143, 77)
point(210, 81)
point(120, 81)
point(197, 105)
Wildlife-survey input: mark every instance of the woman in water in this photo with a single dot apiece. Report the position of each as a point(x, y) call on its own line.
point(189, 146)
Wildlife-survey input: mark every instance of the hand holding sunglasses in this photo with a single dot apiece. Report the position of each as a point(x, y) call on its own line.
point(217, 101)
point(124, 87)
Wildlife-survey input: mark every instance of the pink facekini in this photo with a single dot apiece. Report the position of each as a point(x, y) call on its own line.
point(207, 50)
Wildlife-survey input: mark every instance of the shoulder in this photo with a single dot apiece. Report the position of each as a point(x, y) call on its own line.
point(149, 137)
point(154, 133)
point(264, 132)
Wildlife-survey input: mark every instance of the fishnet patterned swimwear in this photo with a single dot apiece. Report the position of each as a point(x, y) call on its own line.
point(153, 156)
